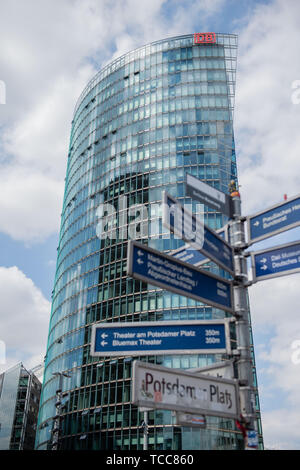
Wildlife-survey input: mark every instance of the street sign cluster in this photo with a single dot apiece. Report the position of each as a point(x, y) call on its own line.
point(212, 390)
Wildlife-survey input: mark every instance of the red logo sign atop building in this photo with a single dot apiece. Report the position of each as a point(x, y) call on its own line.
point(204, 38)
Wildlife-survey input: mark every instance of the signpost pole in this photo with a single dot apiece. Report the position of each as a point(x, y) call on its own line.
point(145, 429)
point(244, 361)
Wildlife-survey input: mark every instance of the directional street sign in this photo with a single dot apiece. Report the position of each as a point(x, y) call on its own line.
point(276, 219)
point(208, 195)
point(178, 390)
point(276, 261)
point(183, 223)
point(166, 272)
point(218, 369)
point(190, 255)
point(156, 338)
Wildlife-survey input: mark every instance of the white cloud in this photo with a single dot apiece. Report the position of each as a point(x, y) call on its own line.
point(268, 141)
point(267, 122)
point(29, 204)
point(39, 139)
point(49, 51)
point(45, 68)
point(275, 316)
point(282, 429)
point(24, 319)
point(44, 61)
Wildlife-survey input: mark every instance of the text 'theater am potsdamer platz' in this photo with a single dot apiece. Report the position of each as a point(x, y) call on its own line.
point(141, 124)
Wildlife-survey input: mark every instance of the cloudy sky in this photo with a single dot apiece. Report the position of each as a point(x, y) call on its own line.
point(49, 49)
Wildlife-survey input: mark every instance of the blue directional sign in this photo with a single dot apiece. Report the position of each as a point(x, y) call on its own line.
point(274, 220)
point(166, 272)
point(187, 226)
point(277, 261)
point(190, 255)
point(147, 338)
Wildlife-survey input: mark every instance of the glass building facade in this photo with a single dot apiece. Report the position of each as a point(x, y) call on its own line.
point(19, 404)
point(141, 124)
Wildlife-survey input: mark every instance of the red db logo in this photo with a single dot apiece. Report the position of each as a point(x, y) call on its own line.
point(204, 38)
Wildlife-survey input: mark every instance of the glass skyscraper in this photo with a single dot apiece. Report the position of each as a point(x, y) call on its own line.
point(142, 123)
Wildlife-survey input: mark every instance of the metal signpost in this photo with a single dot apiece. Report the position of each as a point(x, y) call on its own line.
point(262, 225)
point(241, 312)
point(208, 195)
point(178, 390)
point(148, 338)
point(166, 272)
point(276, 219)
point(189, 228)
point(276, 261)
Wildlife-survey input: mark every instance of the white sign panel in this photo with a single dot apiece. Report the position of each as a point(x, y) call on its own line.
point(208, 195)
point(190, 420)
point(219, 369)
point(178, 390)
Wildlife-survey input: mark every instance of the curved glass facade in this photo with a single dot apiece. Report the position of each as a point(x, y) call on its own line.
point(141, 124)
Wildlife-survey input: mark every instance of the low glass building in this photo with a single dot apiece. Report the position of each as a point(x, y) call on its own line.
point(142, 123)
point(19, 404)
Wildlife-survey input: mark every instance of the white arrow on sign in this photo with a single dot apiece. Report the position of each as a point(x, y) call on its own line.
point(264, 267)
point(140, 253)
point(104, 335)
point(140, 261)
point(256, 223)
point(103, 343)
point(263, 260)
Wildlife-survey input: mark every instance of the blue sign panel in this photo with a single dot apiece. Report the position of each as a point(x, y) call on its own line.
point(186, 225)
point(146, 338)
point(277, 219)
point(276, 261)
point(252, 440)
point(164, 271)
point(190, 255)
